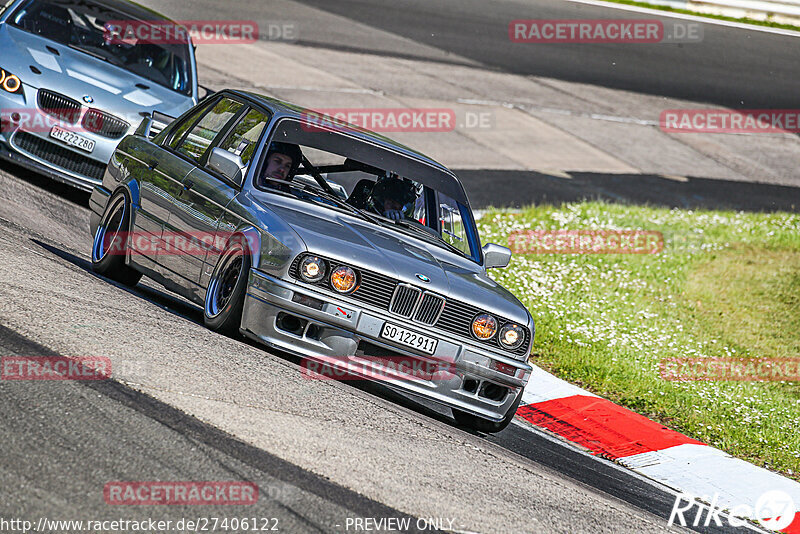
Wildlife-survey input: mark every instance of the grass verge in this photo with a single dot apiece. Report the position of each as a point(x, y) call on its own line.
point(727, 284)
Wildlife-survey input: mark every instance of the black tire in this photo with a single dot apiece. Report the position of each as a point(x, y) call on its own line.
point(484, 425)
point(226, 289)
point(110, 244)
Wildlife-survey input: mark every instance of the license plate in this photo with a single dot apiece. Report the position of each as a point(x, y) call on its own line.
point(72, 139)
point(400, 335)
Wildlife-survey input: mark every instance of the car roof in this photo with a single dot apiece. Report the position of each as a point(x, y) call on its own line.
point(284, 109)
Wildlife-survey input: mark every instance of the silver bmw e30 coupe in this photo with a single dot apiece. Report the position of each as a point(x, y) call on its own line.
point(69, 91)
point(323, 240)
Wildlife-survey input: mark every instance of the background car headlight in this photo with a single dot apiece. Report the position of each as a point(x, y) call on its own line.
point(9, 82)
point(343, 279)
point(312, 269)
point(511, 336)
point(484, 326)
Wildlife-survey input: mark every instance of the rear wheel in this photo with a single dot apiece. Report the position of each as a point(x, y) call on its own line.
point(226, 289)
point(110, 245)
point(484, 425)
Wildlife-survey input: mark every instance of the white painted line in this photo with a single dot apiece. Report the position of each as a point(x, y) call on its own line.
point(682, 16)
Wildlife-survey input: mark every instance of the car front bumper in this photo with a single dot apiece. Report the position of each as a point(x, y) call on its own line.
point(348, 337)
point(31, 146)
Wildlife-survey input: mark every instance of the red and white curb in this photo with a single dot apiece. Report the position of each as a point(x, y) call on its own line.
point(651, 449)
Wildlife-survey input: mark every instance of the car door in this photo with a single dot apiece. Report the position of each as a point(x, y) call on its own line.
point(204, 194)
point(212, 192)
point(160, 174)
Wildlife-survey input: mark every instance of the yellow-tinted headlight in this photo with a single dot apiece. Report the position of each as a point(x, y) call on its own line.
point(512, 336)
point(312, 269)
point(10, 82)
point(484, 326)
point(343, 279)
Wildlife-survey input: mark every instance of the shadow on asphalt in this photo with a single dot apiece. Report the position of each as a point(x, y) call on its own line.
point(67, 192)
point(167, 301)
point(201, 432)
point(522, 188)
point(516, 189)
point(187, 310)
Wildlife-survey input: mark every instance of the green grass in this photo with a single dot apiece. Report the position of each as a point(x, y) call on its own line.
point(727, 284)
point(743, 20)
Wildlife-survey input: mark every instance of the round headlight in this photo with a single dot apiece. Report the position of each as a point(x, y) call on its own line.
point(312, 269)
point(511, 336)
point(484, 326)
point(11, 84)
point(343, 279)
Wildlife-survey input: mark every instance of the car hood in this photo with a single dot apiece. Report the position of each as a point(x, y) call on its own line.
point(76, 75)
point(369, 246)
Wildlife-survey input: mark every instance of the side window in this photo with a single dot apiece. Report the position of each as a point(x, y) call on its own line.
point(451, 224)
point(180, 131)
point(243, 139)
point(197, 141)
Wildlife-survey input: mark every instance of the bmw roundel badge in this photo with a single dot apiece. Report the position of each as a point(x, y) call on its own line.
point(88, 99)
point(423, 277)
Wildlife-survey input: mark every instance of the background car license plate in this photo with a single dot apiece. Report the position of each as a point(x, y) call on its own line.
point(72, 139)
point(398, 334)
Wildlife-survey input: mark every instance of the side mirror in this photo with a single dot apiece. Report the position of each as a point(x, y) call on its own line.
point(227, 164)
point(495, 256)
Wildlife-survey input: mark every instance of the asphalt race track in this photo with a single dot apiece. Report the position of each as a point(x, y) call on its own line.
point(189, 404)
point(730, 67)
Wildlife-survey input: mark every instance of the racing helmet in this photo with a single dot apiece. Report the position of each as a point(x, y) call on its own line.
point(391, 187)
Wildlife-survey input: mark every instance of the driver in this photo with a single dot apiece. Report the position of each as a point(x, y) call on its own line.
point(282, 162)
point(391, 195)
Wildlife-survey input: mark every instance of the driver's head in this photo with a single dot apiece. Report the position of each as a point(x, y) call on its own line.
point(283, 159)
point(392, 194)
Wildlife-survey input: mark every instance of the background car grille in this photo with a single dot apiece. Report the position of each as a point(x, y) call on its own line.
point(429, 309)
point(377, 289)
point(404, 300)
point(60, 156)
point(59, 106)
point(104, 124)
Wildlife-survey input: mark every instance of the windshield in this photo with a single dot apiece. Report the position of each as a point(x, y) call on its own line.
point(86, 26)
point(326, 173)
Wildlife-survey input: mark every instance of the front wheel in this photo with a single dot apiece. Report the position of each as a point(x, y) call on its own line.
point(484, 425)
point(110, 245)
point(226, 290)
